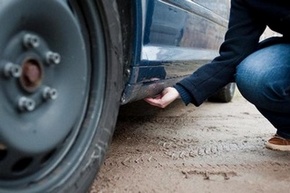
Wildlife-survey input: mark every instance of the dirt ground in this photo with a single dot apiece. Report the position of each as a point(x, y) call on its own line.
point(212, 148)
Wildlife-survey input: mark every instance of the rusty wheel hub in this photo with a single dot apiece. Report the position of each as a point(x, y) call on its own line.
point(32, 74)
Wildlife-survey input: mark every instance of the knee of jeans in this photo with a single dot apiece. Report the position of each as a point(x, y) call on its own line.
point(251, 84)
point(261, 90)
point(263, 77)
point(246, 87)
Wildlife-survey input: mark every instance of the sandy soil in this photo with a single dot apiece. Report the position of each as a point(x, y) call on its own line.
point(213, 148)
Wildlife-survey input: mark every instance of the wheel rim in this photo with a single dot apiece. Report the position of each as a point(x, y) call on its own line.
point(44, 91)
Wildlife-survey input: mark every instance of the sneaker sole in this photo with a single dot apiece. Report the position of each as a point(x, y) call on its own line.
point(277, 147)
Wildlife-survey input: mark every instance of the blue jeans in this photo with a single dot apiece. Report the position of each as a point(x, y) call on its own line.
point(263, 78)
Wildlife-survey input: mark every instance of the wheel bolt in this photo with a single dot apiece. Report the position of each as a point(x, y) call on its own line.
point(12, 70)
point(49, 93)
point(53, 58)
point(30, 41)
point(26, 104)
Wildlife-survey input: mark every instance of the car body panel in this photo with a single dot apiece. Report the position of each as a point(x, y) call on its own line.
point(172, 39)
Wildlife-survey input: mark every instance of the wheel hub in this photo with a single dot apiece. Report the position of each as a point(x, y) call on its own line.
point(32, 74)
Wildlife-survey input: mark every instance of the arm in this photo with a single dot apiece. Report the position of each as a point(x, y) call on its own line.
point(242, 37)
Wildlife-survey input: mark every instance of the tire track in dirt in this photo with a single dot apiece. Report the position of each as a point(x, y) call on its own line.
point(145, 132)
point(175, 121)
point(174, 148)
point(183, 150)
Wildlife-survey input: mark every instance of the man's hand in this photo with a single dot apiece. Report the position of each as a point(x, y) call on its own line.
point(162, 100)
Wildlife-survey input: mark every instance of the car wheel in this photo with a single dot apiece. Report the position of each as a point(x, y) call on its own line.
point(61, 83)
point(226, 94)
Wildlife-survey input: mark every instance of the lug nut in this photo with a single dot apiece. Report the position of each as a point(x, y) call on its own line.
point(49, 93)
point(12, 70)
point(26, 104)
point(53, 58)
point(30, 41)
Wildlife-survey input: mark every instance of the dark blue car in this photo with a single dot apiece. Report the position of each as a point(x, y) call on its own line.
point(67, 66)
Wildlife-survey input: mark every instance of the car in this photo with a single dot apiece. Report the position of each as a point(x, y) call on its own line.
point(68, 65)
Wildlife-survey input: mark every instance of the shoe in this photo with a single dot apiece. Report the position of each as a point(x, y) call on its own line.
point(278, 143)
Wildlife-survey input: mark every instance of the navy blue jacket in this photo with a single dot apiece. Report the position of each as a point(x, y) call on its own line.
point(248, 20)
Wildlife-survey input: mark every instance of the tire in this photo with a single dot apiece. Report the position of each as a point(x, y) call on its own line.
point(61, 83)
point(224, 95)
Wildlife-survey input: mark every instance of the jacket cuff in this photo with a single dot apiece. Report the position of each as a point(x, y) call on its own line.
point(185, 96)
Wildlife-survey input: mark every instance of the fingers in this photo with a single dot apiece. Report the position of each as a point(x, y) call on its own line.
point(154, 102)
point(167, 96)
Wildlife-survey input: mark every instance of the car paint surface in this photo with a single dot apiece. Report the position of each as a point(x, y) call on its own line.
point(172, 39)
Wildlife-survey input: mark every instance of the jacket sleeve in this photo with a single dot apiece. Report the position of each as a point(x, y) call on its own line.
point(241, 39)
